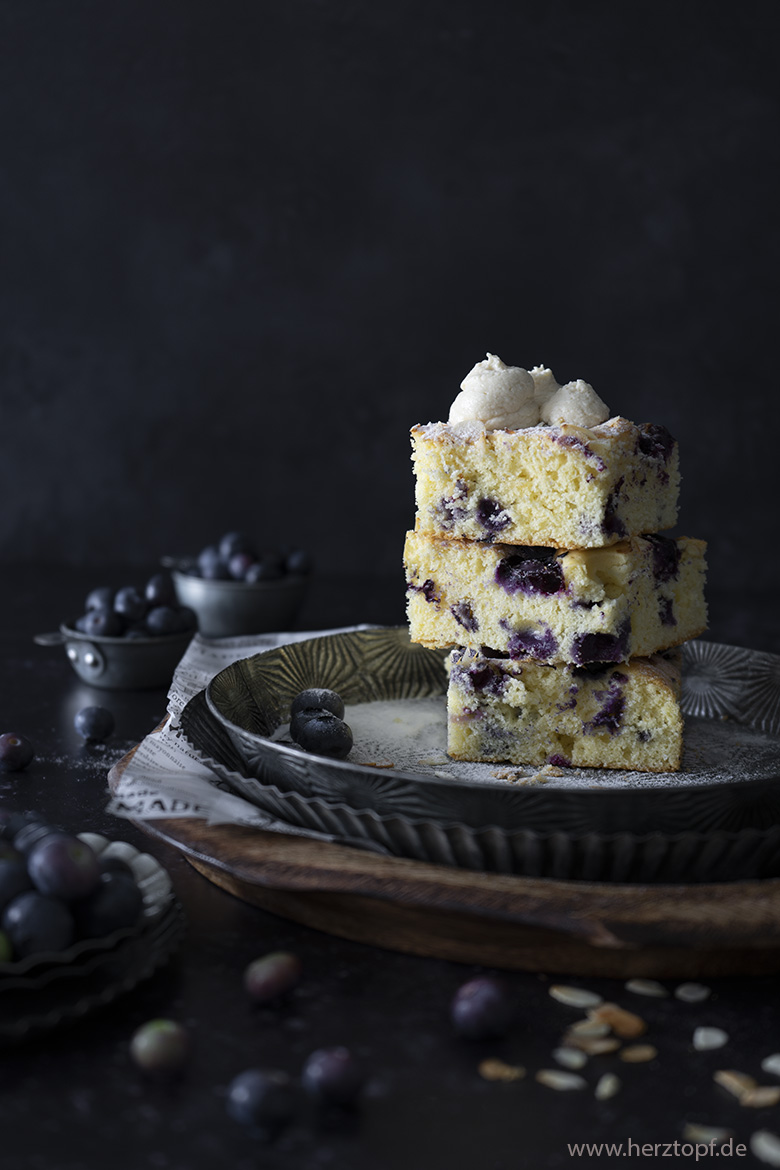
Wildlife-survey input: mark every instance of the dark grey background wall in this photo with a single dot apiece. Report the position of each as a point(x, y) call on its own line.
point(245, 245)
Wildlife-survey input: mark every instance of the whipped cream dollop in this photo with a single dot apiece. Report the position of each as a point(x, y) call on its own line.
point(500, 396)
point(508, 398)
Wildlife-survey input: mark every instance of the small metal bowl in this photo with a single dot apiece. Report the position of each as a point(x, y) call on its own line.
point(229, 608)
point(120, 663)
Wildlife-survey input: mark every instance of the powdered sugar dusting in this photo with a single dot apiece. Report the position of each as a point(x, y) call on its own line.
point(411, 735)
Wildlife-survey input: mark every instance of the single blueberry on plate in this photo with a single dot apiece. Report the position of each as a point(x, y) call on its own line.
point(314, 697)
point(16, 752)
point(322, 733)
point(262, 1098)
point(483, 1008)
point(94, 723)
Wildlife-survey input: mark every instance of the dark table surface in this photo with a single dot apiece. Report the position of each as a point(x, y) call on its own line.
point(71, 1099)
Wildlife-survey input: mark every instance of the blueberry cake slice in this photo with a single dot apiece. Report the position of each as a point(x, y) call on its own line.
point(598, 716)
point(606, 604)
point(562, 486)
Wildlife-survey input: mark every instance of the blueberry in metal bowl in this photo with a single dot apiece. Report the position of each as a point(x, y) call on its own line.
point(236, 588)
point(127, 638)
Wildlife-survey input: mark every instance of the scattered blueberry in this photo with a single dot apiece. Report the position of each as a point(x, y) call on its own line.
point(16, 752)
point(314, 697)
point(482, 1008)
point(35, 922)
point(261, 1098)
point(94, 723)
point(160, 1047)
point(62, 866)
point(332, 1076)
point(271, 976)
point(322, 732)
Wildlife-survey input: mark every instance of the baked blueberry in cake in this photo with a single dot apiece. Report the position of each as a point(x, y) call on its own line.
point(606, 604)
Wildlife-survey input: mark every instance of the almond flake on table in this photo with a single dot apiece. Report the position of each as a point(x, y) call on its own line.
point(705, 1038)
point(761, 1096)
point(766, 1147)
point(771, 1064)
point(692, 992)
point(577, 997)
point(649, 987)
point(638, 1053)
point(623, 1023)
point(570, 1057)
point(734, 1082)
point(607, 1087)
point(707, 1134)
point(555, 1078)
point(497, 1070)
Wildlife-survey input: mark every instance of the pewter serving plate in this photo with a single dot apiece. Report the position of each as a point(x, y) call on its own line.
point(716, 819)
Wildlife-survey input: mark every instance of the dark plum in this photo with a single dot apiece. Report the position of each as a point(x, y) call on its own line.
point(333, 1076)
point(62, 866)
point(100, 598)
point(160, 1047)
point(116, 903)
point(318, 697)
point(160, 590)
point(482, 1008)
point(16, 752)
point(272, 976)
point(30, 833)
point(164, 619)
point(322, 733)
point(103, 623)
point(130, 604)
point(94, 723)
point(12, 822)
point(262, 1098)
point(35, 923)
point(14, 878)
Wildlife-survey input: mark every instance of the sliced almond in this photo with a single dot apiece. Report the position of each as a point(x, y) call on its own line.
point(577, 997)
point(761, 1096)
point(590, 1028)
point(596, 1046)
point(638, 1053)
point(766, 1147)
point(706, 1134)
point(692, 992)
point(771, 1064)
point(556, 1078)
point(736, 1083)
point(570, 1057)
point(706, 1038)
point(623, 1023)
point(649, 987)
point(497, 1070)
point(607, 1087)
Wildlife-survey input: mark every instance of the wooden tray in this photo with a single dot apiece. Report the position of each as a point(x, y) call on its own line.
point(514, 923)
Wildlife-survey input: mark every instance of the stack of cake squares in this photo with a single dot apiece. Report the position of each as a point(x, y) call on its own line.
point(537, 559)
